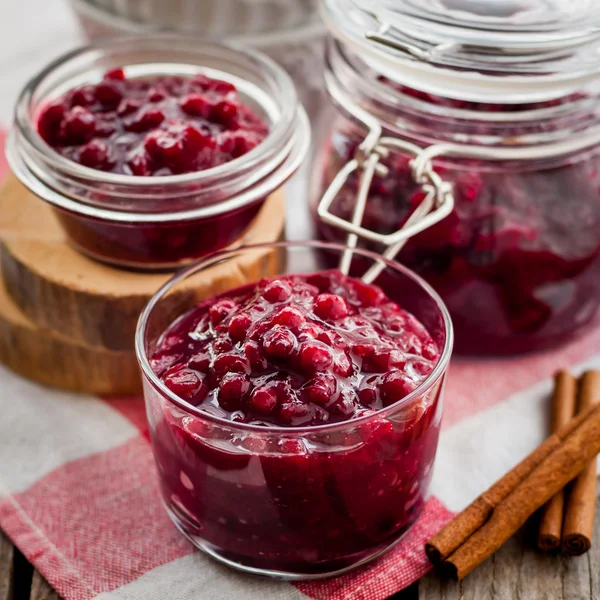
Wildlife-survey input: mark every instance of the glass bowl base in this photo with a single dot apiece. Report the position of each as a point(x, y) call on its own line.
point(216, 553)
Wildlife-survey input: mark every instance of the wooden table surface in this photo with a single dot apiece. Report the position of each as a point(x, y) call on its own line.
point(516, 572)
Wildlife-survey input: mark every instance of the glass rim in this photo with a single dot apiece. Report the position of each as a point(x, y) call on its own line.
point(129, 198)
point(353, 77)
point(463, 37)
point(254, 193)
point(277, 73)
point(147, 371)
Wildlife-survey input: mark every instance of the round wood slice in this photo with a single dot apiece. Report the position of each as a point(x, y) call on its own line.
point(91, 303)
point(51, 359)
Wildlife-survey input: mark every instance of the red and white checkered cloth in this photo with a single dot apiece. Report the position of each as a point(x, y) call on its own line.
point(78, 488)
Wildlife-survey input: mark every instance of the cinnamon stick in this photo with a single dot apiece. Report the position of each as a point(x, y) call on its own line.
point(552, 474)
point(581, 500)
point(563, 409)
point(458, 531)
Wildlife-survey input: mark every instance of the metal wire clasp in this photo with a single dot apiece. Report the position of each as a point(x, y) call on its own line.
point(437, 204)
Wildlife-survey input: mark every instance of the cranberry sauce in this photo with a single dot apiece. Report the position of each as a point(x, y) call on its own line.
point(156, 245)
point(151, 126)
point(517, 262)
point(296, 351)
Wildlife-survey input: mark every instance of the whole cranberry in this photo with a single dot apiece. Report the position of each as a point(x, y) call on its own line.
point(108, 94)
point(290, 316)
point(330, 307)
point(186, 383)
point(253, 352)
point(220, 310)
point(315, 356)
point(279, 342)
point(94, 154)
point(295, 413)
point(232, 390)
point(200, 361)
point(277, 291)
point(78, 125)
point(321, 388)
point(395, 386)
point(264, 399)
point(197, 105)
point(239, 326)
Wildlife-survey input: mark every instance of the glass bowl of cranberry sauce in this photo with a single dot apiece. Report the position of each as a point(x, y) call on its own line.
point(157, 150)
point(294, 419)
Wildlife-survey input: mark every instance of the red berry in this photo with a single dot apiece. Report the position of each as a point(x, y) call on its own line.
point(161, 361)
point(279, 342)
point(156, 95)
point(220, 310)
point(200, 361)
point(49, 121)
point(232, 390)
point(116, 74)
point(258, 362)
point(186, 384)
point(382, 360)
point(295, 413)
point(277, 291)
point(224, 111)
point(146, 119)
point(367, 395)
point(194, 140)
point(330, 307)
point(139, 165)
point(94, 154)
point(315, 356)
point(321, 388)
point(368, 295)
point(290, 316)
point(78, 125)
point(237, 143)
point(431, 351)
point(222, 87)
point(230, 363)
point(128, 106)
point(263, 400)
point(342, 365)
point(108, 94)
point(82, 97)
point(395, 386)
point(239, 326)
point(346, 404)
point(197, 105)
point(222, 345)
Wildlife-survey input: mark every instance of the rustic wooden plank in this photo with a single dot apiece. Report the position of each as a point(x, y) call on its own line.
point(520, 572)
point(41, 589)
point(7, 554)
point(434, 587)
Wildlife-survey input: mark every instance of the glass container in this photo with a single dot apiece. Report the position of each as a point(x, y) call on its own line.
point(160, 222)
point(500, 100)
point(295, 502)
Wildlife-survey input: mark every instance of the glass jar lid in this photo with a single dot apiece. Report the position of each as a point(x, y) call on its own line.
point(511, 51)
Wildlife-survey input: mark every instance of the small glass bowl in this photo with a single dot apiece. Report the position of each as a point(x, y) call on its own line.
point(160, 222)
point(294, 502)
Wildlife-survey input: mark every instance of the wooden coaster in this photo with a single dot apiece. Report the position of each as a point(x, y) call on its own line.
point(91, 303)
point(51, 359)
